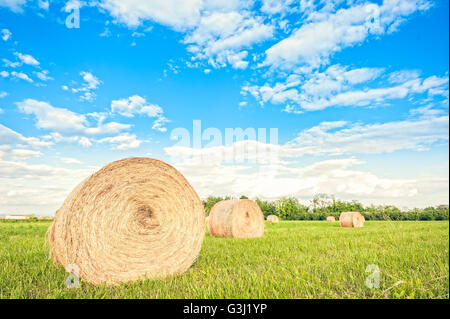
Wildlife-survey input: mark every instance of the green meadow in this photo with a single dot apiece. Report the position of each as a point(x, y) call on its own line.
point(294, 259)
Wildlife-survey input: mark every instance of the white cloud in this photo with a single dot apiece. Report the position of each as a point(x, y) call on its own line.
point(6, 34)
point(70, 160)
point(3, 94)
point(23, 154)
point(315, 41)
point(91, 83)
point(13, 5)
point(178, 14)
point(4, 74)
point(220, 36)
point(8, 137)
point(22, 76)
point(338, 177)
point(339, 86)
point(333, 138)
point(65, 121)
point(43, 4)
point(43, 186)
point(27, 59)
point(10, 64)
point(230, 169)
point(85, 142)
point(414, 134)
point(43, 75)
point(138, 105)
point(273, 7)
point(122, 142)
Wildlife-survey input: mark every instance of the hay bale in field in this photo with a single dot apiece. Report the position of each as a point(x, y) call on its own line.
point(237, 219)
point(134, 218)
point(351, 219)
point(331, 219)
point(273, 219)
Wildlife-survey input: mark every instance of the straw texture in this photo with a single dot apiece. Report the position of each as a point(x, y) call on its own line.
point(273, 219)
point(135, 218)
point(331, 219)
point(237, 219)
point(351, 219)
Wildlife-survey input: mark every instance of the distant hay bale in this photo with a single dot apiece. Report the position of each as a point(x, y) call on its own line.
point(237, 219)
point(135, 218)
point(331, 219)
point(351, 219)
point(273, 219)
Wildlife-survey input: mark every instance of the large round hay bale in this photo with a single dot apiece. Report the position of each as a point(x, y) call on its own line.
point(331, 219)
point(134, 218)
point(351, 219)
point(237, 219)
point(273, 219)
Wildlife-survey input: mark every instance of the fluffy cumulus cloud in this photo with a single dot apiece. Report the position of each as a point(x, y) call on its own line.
point(21, 76)
point(69, 126)
point(428, 127)
point(44, 186)
point(27, 59)
point(13, 5)
point(220, 37)
point(122, 142)
point(10, 137)
point(341, 86)
point(6, 34)
point(340, 177)
point(138, 105)
point(86, 89)
point(316, 40)
point(217, 32)
point(179, 14)
point(243, 167)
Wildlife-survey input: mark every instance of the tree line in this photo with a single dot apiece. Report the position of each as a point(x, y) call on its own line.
point(290, 208)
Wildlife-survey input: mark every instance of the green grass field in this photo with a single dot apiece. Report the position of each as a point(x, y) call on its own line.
point(304, 259)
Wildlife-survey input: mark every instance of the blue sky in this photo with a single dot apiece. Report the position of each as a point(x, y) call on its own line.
point(358, 92)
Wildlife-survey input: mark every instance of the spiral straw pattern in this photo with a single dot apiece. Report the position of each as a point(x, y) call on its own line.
point(135, 218)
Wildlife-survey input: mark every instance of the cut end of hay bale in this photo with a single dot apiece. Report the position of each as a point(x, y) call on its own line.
point(351, 219)
point(331, 219)
point(236, 218)
point(135, 218)
point(273, 219)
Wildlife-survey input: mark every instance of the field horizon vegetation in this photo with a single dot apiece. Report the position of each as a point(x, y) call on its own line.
point(323, 205)
point(294, 259)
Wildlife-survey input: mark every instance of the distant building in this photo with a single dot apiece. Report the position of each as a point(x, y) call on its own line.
point(45, 218)
point(18, 216)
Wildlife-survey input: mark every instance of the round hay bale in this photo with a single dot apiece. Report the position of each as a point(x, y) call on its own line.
point(273, 219)
point(351, 219)
point(331, 219)
point(135, 218)
point(236, 218)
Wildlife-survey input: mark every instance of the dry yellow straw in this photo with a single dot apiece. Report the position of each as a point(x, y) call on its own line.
point(273, 219)
point(237, 219)
point(134, 218)
point(351, 219)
